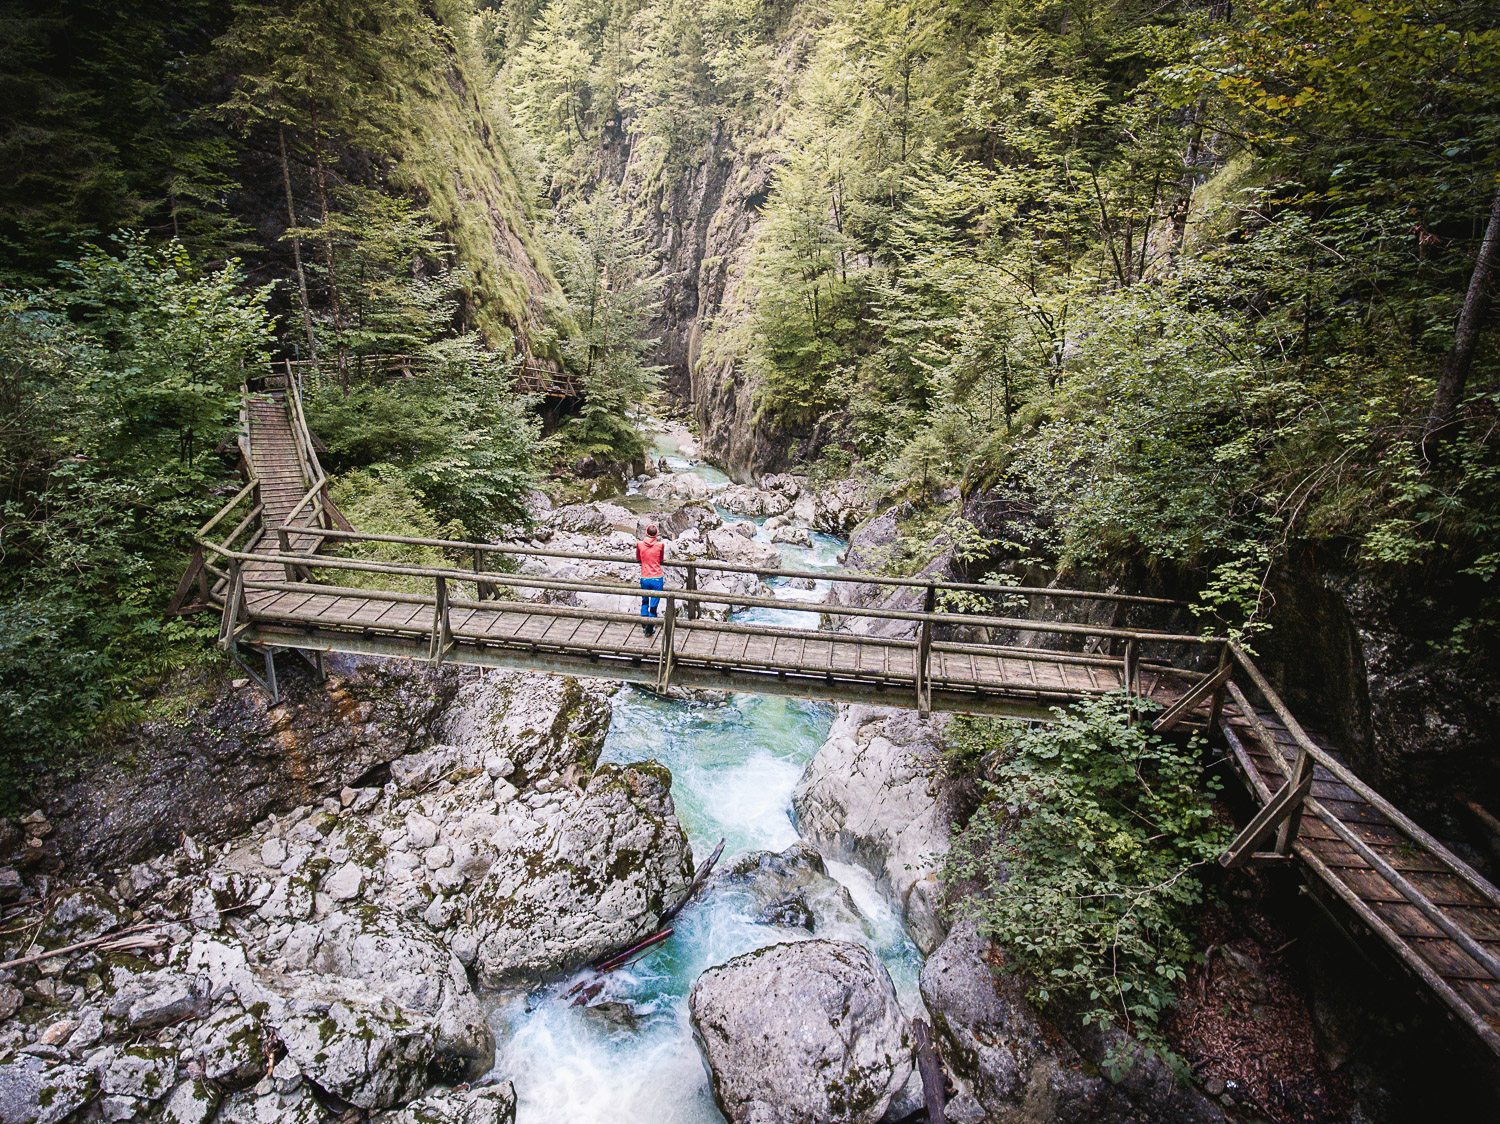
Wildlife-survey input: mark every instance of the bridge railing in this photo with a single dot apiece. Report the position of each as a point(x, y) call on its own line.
point(1281, 814)
point(686, 606)
point(529, 378)
point(1234, 679)
point(196, 580)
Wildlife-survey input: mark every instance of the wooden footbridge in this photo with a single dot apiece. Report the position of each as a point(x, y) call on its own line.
point(281, 566)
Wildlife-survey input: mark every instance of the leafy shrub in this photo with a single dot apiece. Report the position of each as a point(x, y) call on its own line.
point(116, 387)
point(465, 445)
point(1086, 854)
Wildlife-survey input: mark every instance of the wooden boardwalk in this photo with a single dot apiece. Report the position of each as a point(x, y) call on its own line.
point(263, 564)
point(1441, 918)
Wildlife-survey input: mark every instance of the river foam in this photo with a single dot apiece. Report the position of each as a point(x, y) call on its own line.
point(734, 764)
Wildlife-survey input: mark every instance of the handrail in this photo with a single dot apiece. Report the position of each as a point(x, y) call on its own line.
point(528, 377)
point(1397, 818)
point(218, 517)
point(316, 561)
point(854, 578)
point(300, 432)
point(287, 524)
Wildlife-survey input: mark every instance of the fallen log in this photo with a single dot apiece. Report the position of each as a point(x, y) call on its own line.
point(699, 877)
point(616, 960)
point(932, 1073)
point(619, 959)
point(120, 940)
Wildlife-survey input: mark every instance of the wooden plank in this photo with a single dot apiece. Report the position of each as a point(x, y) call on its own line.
point(1406, 919)
point(1441, 890)
point(1336, 853)
point(1447, 959)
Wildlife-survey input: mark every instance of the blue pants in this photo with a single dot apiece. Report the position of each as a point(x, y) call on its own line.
point(648, 604)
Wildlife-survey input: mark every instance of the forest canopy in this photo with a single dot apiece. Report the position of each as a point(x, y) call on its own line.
point(1195, 286)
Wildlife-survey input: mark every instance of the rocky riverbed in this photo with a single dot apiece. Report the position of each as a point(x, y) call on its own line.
point(404, 934)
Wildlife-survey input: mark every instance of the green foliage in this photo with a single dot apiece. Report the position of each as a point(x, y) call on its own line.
point(612, 287)
point(379, 501)
point(457, 436)
point(117, 387)
point(1086, 856)
point(97, 130)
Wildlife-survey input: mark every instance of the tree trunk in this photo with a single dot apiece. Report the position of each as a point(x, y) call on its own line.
point(1450, 387)
point(291, 218)
point(1185, 185)
point(328, 260)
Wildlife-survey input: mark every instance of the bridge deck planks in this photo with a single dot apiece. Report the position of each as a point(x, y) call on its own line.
point(1469, 981)
point(1269, 747)
point(842, 655)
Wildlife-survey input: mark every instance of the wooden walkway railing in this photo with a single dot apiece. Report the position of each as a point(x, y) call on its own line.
point(276, 587)
point(530, 378)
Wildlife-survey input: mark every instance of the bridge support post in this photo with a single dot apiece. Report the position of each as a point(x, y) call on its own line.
point(442, 631)
point(234, 593)
point(1285, 803)
point(692, 584)
point(1130, 671)
point(271, 688)
point(1216, 708)
point(284, 544)
point(922, 669)
point(484, 591)
point(668, 635)
point(1301, 779)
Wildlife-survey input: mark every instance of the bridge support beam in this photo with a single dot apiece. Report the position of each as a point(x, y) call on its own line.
point(818, 687)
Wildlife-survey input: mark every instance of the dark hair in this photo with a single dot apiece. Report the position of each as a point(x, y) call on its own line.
point(651, 528)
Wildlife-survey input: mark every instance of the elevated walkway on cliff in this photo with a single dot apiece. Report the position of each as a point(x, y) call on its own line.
point(265, 564)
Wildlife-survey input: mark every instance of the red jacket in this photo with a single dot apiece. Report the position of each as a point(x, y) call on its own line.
point(649, 553)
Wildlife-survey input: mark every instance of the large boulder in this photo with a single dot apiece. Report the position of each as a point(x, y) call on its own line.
point(35, 1091)
point(695, 516)
point(341, 1033)
point(227, 760)
point(836, 508)
point(540, 723)
point(408, 963)
point(792, 890)
point(727, 546)
point(593, 877)
point(743, 500)
point(488, 1104)
point(1008, 1065)
point(682, 486)
point(874, 794)
point(804, 1033)
point(596, 518)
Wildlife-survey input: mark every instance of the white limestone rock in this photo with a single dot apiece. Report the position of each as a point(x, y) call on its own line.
point(35, 1091)
point(803, 1033)
point(593, 880)
point(370, 1054)
point(407, 963)
point(157, 998)
point(489, 1104)
point(273, 853)
point(192, 1102)
point(229, 1047)
point(727, 546)
point(541, 723)
point(344, 883)
point(874, 795)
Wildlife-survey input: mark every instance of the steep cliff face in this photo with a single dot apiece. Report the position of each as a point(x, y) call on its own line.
point(1370, 662)
point(700, 220)
point(456, 157)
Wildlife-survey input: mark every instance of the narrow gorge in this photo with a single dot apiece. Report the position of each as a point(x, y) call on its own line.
point(1070, 691)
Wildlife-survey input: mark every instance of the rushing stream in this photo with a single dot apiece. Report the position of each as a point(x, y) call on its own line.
point(734, 765)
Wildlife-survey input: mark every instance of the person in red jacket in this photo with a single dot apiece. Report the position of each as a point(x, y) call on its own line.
point(650, 552)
